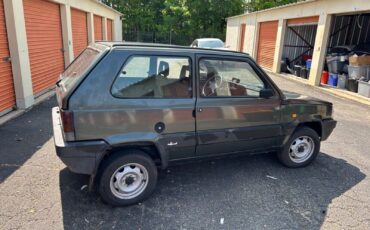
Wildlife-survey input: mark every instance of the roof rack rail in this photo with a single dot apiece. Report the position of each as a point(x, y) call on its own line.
point(160, 45)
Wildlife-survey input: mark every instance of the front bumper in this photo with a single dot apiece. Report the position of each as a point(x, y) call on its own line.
point(327, 128)
point(80, 157)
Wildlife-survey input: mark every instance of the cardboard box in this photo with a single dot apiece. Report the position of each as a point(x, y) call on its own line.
point(359, 60)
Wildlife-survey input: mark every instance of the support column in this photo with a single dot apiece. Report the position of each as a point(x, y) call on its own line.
point(17, 36)
point(319, 53)
point(90, 27)
point(114, 30)
point(105, 31)
point(65, 11)
point(117, 28)
point(279, 46)
point(255, 35)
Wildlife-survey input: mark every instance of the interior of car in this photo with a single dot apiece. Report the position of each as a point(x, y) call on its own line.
point(163, 82)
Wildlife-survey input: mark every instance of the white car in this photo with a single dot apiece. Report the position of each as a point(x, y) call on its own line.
point(209, 43)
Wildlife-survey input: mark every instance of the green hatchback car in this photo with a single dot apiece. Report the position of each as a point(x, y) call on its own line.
point(126, 110)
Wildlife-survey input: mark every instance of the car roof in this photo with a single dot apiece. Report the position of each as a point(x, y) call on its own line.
point(157, 46)
point(208, 39)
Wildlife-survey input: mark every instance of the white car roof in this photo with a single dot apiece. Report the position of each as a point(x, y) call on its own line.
point(209, 39)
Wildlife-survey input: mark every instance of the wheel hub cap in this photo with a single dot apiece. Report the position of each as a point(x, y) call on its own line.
point(301, 149)
point(129, 181)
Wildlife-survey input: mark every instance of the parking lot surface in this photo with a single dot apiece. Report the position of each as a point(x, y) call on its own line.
point(247, 192)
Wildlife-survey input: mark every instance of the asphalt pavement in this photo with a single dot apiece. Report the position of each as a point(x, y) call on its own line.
point(247, 192)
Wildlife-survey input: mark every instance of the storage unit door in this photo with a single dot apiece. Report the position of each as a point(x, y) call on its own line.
point(7, 95)
point(266, 43)
point(303, 21)
point(79, 31)
point(109, 30)
point(45, 46)
point(98, 28)
point(242, 36)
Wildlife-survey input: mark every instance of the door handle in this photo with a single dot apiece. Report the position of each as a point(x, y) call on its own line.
point(200, 110)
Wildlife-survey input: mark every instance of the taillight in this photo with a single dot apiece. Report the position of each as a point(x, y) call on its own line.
point(68, 125)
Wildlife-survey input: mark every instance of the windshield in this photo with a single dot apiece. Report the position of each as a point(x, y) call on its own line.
point(211, 44)
point(79, 66)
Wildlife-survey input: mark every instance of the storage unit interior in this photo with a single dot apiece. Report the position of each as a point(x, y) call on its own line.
point(349, 38)
point(298, 48)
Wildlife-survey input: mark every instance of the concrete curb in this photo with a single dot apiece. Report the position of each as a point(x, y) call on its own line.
point(327, 89)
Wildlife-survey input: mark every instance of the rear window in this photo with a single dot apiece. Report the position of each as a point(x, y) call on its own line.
point(80, 65)
point(211, 44)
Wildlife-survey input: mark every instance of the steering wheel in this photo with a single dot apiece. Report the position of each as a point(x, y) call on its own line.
point(212, 84)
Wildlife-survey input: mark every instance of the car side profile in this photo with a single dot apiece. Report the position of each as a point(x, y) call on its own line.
point(126, 110)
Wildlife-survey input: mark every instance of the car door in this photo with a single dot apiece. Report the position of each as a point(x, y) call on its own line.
point(149, 100)
point(230, 114)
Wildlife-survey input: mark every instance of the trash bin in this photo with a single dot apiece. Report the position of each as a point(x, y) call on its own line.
point(324, 77)
point(335, 64)
point(297, 70)
point(356, 72)
point(333, 79)
point(308, 64)
point(304, 73)
point(342, 81)
point(352, 85)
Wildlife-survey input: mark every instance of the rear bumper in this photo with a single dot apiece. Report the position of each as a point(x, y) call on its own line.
point(327, 128)
point(81, 156)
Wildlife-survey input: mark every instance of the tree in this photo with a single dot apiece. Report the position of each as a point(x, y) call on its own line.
point(255, 5)
point(180, 21)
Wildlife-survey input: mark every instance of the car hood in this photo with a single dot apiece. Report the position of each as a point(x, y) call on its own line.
point(295, 98)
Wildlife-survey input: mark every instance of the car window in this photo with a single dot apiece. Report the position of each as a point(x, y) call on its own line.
point(80, 65)
point(211, 44)
point(154, 77)
point(228, 78)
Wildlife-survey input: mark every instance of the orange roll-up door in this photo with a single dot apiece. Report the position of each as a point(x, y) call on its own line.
point(306, 20)
point(266, 43)
point(242, 37)
point(98, 28)
point(79, 31)
point(7, 94)
point(109, 30)
point(45, 45)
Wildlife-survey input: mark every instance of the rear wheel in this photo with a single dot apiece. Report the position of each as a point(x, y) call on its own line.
point(301, 149)
point(127, 178)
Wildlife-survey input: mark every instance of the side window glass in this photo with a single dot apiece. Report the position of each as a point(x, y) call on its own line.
point(154, 77)
point(227, 78)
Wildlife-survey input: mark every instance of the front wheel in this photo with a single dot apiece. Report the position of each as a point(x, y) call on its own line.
point(128, 178)
point(301, 149)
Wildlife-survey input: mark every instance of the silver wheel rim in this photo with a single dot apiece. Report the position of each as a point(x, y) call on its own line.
point(129, 181)
point(301, 149)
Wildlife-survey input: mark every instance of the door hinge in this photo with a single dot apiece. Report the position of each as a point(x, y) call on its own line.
point(7, 59)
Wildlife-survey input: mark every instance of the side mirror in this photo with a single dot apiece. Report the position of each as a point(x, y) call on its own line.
point(266, 93)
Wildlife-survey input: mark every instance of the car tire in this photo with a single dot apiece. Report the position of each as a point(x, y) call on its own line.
point(127, 178)
point(301, 149)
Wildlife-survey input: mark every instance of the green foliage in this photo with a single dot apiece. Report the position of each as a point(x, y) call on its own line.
point(255, 5)
point(175, 21)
